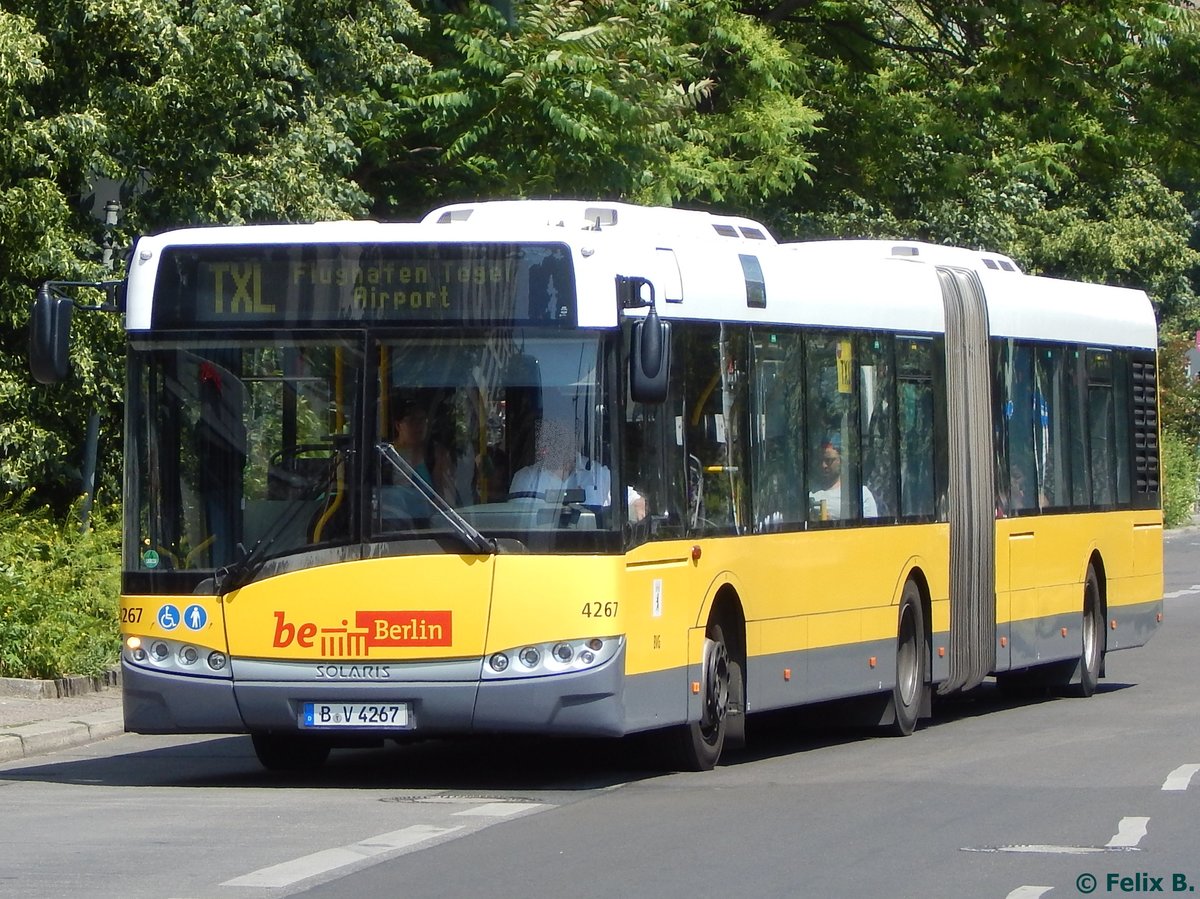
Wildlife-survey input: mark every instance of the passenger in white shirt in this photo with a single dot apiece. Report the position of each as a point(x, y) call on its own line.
point(826, 500)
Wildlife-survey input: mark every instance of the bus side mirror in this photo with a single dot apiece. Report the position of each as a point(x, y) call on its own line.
point(50, 336)
point(649, 359)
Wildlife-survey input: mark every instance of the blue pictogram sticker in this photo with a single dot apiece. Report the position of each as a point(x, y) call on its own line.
point(195, 617)
point(168, 617)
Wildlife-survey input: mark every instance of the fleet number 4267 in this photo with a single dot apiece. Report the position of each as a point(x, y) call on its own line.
point(599, 610)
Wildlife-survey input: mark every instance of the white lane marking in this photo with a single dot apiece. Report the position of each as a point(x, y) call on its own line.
point(326, 860)
point(1129, 833)
point(1186, 591)
point(1028, 892)
point(1180, 778)
point(499, 809)
point(1040, 849)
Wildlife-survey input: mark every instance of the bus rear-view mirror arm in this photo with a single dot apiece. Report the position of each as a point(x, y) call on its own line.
point(50, 326)
point(650, 346)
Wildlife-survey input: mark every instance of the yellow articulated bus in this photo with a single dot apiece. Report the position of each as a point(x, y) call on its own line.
point(556, 467)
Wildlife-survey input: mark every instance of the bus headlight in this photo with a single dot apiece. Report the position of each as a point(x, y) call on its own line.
point(160, 654)
point(133, 646)
point(556, 657)
point(530, 656)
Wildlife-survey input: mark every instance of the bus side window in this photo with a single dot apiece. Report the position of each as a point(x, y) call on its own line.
point(835, 488)
point(916, 424)
point(652, 464)
point(1077, 403)
point(1102, 427)
point(1121, 405)
point(1051, 438)
point(716, 428)
point(1021, 407)
point(877, 392)
point(777, 433)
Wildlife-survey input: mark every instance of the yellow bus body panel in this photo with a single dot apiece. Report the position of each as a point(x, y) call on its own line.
point(1042, 561)
point(800, 591)
point(141, 616)
point(396, 609)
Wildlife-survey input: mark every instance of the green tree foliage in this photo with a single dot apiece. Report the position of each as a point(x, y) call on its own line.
point(58, 592)
point(1180, 472)
point(1179, 395)
point(1062, 133)
point(1020, 126)
point(648, 100)
point(214, 111)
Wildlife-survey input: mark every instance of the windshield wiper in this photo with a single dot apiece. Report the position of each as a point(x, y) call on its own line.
point(465, 530)
point(239, 573)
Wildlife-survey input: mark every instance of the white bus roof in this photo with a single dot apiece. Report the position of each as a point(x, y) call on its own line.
point(699, 264)
point(645, 221)
point(936, 254)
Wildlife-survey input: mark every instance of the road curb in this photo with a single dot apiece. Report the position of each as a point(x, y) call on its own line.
point(58, 688)
point(50, 736)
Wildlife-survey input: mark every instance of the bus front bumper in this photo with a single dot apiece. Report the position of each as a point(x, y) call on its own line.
point(443, 699)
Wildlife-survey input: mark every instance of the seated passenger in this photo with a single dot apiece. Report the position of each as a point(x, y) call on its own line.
point(827, 498)
point(410, 437)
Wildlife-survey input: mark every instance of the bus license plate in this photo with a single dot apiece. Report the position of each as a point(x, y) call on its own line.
point(355, 714)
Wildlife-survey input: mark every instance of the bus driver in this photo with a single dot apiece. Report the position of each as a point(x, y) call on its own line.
point(559, 467)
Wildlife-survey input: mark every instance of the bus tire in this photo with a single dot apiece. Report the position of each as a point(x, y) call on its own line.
point(1091, 657)
point(698, 744)
point(286, 752)
point(910, 662)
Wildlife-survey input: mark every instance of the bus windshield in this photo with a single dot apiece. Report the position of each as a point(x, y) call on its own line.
point(256, 449)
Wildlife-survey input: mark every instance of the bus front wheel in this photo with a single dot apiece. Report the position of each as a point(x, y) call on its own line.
point(1091, 657)
point(698, 745)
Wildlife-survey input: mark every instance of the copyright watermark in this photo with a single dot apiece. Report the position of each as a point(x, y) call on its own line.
point(1141, 882)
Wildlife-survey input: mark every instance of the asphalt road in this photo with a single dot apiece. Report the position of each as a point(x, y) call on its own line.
point(993, 798)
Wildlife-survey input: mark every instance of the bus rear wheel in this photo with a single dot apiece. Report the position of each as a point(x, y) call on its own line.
point(697, 746)
point(286, 752)
point(1091, 657)
point(908, 691)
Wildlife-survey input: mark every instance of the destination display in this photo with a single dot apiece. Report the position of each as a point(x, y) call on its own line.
point(337, 284)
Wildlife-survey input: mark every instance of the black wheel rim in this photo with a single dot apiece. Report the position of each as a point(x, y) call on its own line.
point(716, 693)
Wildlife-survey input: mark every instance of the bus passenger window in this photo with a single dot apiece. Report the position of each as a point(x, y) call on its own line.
point(716, 432)
point(1102, 427)
point(1121, 406)
point(914, 360)
point(652, 469)
point(1020, 409)
point(835, 492)
point(778, 431)
point(877, 390)
point(1051, 438)
point(1077, 401)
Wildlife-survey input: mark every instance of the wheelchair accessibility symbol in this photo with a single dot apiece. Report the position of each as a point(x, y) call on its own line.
point(168, 617)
